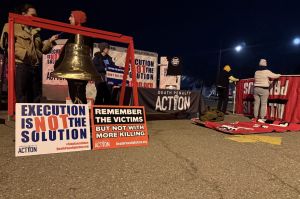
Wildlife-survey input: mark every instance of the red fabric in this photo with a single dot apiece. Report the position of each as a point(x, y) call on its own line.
point(250, 127)
point(80, 17)
point(283, 103)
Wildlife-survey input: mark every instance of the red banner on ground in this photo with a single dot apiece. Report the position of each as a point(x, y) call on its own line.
point(249, 127)
point(118, 126)
point(283, 102)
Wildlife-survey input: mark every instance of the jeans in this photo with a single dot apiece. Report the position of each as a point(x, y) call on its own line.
point(77, 91)
point(103, 96)
point(28, 83)
point(260, 101)
point(223, 99)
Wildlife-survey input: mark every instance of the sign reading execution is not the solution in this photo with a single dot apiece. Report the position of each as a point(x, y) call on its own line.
point(51, 128)
point(118, 126)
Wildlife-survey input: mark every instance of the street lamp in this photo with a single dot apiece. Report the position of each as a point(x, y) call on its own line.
point(296, 41)
point(237, 48)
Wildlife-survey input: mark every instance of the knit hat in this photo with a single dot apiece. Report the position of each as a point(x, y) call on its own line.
point(263, 62)
point(79, 16)
point(227, 68)
point(103, 45)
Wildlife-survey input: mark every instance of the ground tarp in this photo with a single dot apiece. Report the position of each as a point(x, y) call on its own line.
point(249, 127)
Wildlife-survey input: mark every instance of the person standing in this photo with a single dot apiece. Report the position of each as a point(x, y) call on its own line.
point(77, 88)
point(261, 90)
point(102, 60)
point(29, 49)
point(224, 78)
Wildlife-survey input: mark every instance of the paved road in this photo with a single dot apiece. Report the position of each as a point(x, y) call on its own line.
point(182, 161)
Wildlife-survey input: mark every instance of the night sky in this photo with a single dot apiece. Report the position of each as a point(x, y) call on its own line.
point(194, 31)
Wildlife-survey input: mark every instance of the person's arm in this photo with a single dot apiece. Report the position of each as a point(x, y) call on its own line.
point(233, 79)
point(96, 59)
point(20, 53)
point(111, 62)
point(48, 44)
point(61, 55)
point(98, 62)
point(62, 52)
point(4, 37)
point(273, 75)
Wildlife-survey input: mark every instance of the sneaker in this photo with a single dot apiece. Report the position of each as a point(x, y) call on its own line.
point(254, 120)
point(261, 120)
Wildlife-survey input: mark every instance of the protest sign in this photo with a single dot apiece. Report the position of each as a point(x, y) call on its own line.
point(118, 126)
point(51, 128)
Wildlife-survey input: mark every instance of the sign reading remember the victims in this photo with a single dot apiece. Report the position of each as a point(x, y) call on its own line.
point(51, 128)
point(118, 126)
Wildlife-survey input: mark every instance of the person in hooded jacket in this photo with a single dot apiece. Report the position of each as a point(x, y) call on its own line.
point(102, 60)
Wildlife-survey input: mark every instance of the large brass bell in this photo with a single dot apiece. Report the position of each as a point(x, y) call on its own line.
point(77, 62)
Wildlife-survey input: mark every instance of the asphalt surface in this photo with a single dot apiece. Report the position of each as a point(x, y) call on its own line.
point(182, 161)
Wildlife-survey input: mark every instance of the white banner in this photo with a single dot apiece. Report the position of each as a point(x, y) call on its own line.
point(51, 128)
point(145, 63)
point(146, 66)
point(48, 64)
point(167, 81)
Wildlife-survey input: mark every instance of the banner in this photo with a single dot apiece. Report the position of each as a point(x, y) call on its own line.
point(51, 128)
point(170, 101)
point(145, 63)
point(167, 81)
point(48, 64)
point(118, 126)
point(248, 127)
point(283, 100)
point(146, 67)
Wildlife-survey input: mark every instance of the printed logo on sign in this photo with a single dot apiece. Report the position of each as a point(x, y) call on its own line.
point(279, 89)
point(175, 61)
point(27, 149)
point(248, 87)
point(173, 100)
point(276, 110)
point(233, 128)
point(102, 144)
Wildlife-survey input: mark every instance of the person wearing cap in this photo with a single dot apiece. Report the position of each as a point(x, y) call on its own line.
point(77, 88)
point(29, 50)
point(102, 60)
point(224, 78)
point(261, 89)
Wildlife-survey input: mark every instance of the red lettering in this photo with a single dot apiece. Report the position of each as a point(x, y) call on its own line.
point(53, 122)
point(40, 124)
point(64, 120)
point(138, 69)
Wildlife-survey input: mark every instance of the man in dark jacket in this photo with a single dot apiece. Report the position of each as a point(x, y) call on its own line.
point(102, 60)
point(223, 87)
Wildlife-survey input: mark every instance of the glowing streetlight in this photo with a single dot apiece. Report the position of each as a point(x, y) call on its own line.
point(296, 41)
point(238, 48)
